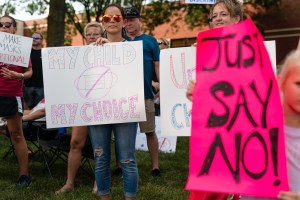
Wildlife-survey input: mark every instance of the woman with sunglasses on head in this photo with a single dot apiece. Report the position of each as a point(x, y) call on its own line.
point(222, 13)
point(11, 103)
point(125, 133)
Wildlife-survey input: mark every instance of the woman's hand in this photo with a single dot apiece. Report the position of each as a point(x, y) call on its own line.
point(10, 74)
point(286, 195)
point(101, 41)
point(190, 90)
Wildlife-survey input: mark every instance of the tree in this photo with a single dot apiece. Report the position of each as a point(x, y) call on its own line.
point(155, 13)
point(56, 23)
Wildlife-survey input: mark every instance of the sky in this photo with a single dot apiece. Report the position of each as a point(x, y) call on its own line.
point(21, 14)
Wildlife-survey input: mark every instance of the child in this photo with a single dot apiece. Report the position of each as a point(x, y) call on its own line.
point(289, 84)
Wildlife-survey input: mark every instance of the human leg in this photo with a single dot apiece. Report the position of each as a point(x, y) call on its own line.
point(78, 137)
point(148, 127)
point(125, 135)
point(38, 95)
point(152, 142)
point(100, 136)
point(14, 125)
point(28, 93)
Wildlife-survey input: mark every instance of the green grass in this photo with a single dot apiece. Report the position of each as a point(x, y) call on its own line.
point(170, 186)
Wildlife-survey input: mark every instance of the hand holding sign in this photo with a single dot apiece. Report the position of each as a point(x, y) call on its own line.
point(237, 126)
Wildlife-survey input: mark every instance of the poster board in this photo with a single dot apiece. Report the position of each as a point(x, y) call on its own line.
point(237, 140)
point(88, 85)
point(166, 144)
point(177, 69)
point(15, 49)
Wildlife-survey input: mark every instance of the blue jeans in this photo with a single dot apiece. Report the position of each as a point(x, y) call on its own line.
point(125, 134)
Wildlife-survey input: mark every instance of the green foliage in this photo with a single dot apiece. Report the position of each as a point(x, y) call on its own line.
point(7, 8)
point(170, 185)
point(155, 13)
point(36, 6)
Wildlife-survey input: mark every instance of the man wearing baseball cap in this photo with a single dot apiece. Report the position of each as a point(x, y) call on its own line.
point(151, 62)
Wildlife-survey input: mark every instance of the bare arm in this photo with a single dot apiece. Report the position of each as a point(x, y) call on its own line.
point(28, 72)
point(286, 195)
point(190, 90)
point(156, 68)
point(35, 115)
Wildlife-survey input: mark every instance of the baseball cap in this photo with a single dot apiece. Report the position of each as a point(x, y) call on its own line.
point(131, 12)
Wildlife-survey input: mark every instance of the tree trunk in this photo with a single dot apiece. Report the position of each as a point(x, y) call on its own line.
point(56, 23)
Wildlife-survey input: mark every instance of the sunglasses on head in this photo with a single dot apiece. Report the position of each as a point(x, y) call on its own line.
point(162, 43)
point(5, 24)
point(107, 18)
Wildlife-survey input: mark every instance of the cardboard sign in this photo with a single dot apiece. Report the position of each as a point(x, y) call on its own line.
point(165, 144)
point(203, 1)
point(237, 140)
point(87, 85)
point(15, 49)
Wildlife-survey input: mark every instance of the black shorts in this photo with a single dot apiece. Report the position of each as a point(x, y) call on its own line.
point(10, 106)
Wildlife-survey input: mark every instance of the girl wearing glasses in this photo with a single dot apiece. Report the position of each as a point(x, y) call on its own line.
point(125, 133)
point(11, 103)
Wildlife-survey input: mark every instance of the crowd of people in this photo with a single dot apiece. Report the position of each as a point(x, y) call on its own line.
point(124, 25)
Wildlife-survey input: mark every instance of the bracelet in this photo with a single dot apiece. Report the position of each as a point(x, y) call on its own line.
point(22, 76)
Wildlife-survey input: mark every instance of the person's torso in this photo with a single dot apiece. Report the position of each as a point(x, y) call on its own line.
point(36, 79)
point(150, 54)
point(11, 87)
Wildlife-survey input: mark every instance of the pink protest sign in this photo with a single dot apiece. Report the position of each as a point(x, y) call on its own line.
point(237, 140)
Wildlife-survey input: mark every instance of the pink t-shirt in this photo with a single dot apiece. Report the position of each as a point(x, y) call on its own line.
point(11, 87)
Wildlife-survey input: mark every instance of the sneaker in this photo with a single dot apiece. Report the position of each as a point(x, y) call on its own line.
point(24, 181)
point(155, 172)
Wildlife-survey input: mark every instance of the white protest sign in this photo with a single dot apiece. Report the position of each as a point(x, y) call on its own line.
point(165, 144)
point(203, 1)
point(177, 67)
point(88, 85)
point(271, 49)
point(15, 49)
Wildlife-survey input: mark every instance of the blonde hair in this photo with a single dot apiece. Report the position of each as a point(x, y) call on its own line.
point(234, 8)
point(292, 60)
point(93, 24)
point(165, 41)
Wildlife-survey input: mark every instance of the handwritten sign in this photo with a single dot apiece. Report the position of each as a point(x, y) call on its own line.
point(177, 69)
point(203, 1)
point(15, 49)
point(87, 85)
point(165, 144)
point(237, 140)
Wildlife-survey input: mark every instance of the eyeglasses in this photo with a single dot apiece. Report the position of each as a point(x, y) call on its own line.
point(36, 37)
point(107, 18)
point(5, 24)
point(92, 34)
